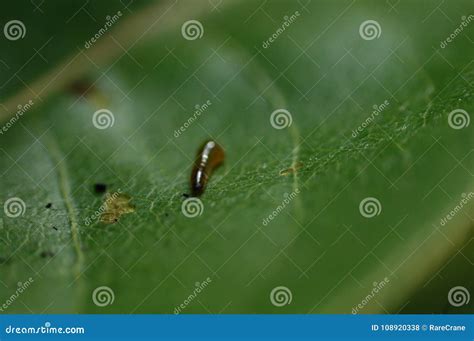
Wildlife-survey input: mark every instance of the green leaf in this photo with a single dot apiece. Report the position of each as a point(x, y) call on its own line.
point(311, 176)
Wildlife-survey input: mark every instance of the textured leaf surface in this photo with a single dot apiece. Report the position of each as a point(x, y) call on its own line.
point(319, 246)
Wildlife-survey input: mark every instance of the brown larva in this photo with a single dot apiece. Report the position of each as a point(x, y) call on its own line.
point(209, 157)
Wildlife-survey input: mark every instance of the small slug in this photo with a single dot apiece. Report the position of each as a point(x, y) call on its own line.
point(209, 157)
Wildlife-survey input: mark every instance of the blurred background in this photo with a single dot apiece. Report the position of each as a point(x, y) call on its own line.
point(347, 180)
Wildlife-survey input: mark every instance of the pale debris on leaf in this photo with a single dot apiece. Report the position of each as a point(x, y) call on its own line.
point(115, 206)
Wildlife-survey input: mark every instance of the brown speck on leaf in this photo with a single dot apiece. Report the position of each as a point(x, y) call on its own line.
point(85, 88)
point(291, 170)
point(115, 205)
point(100, 188)
point(46, 254)
point(81, 87)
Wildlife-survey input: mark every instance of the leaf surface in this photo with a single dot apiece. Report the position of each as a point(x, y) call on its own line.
point(310, 176)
